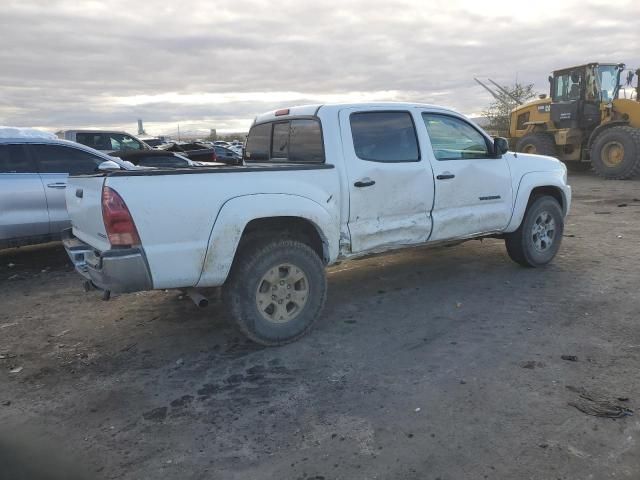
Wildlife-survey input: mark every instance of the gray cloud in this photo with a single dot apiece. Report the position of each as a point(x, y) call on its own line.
point(63, 62)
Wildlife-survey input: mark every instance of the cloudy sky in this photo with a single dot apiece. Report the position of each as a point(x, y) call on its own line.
point(215, 64)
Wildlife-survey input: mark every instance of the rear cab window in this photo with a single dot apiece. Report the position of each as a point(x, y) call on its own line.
point(295, 140)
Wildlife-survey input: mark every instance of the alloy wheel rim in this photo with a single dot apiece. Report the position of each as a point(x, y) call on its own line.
point(282, 293)
point(543, 231)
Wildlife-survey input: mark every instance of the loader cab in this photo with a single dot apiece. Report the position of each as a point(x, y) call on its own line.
point(578, 92)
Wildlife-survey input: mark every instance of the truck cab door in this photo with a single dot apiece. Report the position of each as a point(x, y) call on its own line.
point(473, 193)
point(390, 184)
point(23, 206)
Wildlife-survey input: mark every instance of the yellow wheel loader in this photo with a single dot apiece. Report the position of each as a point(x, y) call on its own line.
point(584, 121)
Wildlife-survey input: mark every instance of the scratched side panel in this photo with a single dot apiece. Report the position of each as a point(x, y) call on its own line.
point(175, 214)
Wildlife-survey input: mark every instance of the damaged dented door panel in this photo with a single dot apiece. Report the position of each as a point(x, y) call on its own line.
point(473, 193)
point(390, 183)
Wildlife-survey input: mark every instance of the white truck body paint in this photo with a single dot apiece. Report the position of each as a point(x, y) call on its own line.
point(395, 210)
point(190, 225)
point(239, 211)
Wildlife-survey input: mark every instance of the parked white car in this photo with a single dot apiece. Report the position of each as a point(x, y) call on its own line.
point(321, 184)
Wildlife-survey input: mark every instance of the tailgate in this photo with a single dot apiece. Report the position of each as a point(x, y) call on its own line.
point(84, 204)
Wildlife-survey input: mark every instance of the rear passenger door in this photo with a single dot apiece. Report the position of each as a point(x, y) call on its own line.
point(390, 183)
point(23, 207)
point(55, 164)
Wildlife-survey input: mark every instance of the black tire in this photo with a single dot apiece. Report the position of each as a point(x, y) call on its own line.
point(253, 263)
point(537, 143)
point(522, 244)
point(621, 166)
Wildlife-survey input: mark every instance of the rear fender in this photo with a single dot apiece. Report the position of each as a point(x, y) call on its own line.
point(236, 213)
point(527, 184)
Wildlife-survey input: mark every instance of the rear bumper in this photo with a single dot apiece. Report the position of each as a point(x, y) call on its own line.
point(118, 270)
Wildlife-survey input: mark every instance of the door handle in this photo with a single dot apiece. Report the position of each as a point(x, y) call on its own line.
point(366, 182)
point(446, 176)
point(57, 185)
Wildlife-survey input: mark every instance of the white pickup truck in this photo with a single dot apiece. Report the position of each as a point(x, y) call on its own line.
point(321, 184)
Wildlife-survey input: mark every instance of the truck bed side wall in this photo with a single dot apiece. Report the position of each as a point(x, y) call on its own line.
point(175, 214)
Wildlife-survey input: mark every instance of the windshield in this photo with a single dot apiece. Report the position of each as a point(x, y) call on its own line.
point(608, 77)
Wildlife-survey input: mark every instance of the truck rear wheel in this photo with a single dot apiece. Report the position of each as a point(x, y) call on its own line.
point(615, 153)
point(538, 238)
point(537, 143)
point(276, 290)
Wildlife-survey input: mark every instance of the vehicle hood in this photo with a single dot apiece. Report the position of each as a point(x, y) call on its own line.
point(522, 163)
point(534, 163)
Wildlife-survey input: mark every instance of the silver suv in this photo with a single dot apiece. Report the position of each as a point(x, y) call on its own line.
point(33, 176)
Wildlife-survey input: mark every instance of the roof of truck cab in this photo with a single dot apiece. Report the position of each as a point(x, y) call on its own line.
point(312, 110)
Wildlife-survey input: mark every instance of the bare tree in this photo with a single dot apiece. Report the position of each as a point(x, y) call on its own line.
point(498, 111)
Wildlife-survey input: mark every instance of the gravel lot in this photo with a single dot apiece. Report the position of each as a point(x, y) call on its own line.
point(427, 364)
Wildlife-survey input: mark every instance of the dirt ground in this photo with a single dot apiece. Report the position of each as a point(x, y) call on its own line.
point(427, 364)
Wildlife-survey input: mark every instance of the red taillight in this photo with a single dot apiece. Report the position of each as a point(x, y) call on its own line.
point(118, 222)
point(284, 111)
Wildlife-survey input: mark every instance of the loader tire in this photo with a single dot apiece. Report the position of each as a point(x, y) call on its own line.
point(537, 241)
point(537, 143)
point(615, 153)
point(276, 290)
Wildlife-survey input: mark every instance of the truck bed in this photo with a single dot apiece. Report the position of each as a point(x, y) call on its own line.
point(175, 210)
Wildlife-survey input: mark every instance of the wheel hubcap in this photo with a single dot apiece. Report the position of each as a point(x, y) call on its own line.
point(613, 154)
point(543, 231)
point(530, 149)
point(282, 293)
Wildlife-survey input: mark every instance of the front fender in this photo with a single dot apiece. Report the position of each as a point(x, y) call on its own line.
point(237, 212)
point(529, 181)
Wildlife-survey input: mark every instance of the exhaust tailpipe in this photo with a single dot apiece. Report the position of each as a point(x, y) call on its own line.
point(197, 298)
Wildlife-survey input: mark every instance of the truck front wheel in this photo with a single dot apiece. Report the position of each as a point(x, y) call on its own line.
point(538, 238)
point(276, 290)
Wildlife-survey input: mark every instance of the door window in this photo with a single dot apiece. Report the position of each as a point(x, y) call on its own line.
point(99, 141)
point(14, 160)
point(567, 87)
point(61, 159)
point(120, 142)
point(454, 139)
point(384, 136)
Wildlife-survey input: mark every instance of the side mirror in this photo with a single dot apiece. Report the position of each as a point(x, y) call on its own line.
point(500, 146)
point(108, 165)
